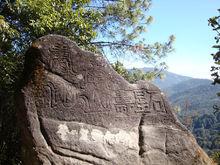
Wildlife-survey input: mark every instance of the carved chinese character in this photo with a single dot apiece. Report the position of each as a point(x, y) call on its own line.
point(141, 96)
point(121, 108)
point(123, 96)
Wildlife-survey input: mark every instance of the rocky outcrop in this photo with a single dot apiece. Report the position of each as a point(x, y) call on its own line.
point(75, 109)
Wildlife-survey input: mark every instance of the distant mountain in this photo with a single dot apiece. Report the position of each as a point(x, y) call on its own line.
point(191, 94)
point(194, 95)
point(170, 79)
point(187, 85)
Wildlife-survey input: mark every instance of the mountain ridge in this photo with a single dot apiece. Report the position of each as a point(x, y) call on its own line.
point(195, 95)
point(169, 80)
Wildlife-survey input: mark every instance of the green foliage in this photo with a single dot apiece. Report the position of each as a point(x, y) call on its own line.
point(214, 22)
point(110, 27)
point(33, 19)
point(119, 68)
point(11, 66)
point(135, 74)
point(9, 133)
point(176, 109)
point(206, 129)
point(216, 157)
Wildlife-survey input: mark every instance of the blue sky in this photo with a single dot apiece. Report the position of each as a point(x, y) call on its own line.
point(188, 21)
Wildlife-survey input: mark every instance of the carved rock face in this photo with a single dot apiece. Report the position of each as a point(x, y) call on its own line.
point(75, 109)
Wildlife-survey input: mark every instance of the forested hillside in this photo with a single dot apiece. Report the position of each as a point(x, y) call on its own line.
point(194, 95)
point(195, 99)
point(206, 129)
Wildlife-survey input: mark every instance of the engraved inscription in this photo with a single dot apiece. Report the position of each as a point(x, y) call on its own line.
point(53, 96)
point(60, 57)
point(97, 103)
point(47, 97)
point(67, 95)
point(83, 103)
point(132, 101)
point(142, 108)
point(142, 98)
point(60, 60)
point(121, 108)
point(122, 96)
point(97, 79)
point(158, 103)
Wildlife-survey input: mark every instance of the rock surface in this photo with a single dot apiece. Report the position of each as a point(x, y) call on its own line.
point(75, 109)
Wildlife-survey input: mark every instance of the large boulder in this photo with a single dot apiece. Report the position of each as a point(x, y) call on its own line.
point(75, 109)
